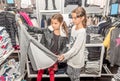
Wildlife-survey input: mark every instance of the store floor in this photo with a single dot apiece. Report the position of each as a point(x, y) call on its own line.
point(82, 79)
point(102, 78)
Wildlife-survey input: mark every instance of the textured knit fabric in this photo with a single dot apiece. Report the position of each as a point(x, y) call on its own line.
point(106, 41)
point(114, 49)
point(75, 56)
point(8, 21)
point(40, 56)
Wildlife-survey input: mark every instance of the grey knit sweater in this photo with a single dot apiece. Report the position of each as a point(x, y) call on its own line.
point(39, 55)
point(75, 56)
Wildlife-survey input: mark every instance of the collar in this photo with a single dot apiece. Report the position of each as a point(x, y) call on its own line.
point(62, 31)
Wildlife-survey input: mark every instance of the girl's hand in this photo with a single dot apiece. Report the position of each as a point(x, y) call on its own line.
point(61, 57)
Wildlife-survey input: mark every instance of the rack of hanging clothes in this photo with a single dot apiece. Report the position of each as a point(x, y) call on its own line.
point(112, 43)
point(7, 20)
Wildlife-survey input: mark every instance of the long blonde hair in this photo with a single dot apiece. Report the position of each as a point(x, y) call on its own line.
point(59, 17)
point(80, 11)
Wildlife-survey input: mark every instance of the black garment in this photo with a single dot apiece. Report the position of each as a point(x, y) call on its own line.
point(54, 48)
point(73, 2)
point(8, 21)
point(43, 21)
point(47, 39)
point(57, 44)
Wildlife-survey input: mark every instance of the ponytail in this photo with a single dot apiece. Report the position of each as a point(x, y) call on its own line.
point(64, 25)
point(84, 22)
point(59, 17)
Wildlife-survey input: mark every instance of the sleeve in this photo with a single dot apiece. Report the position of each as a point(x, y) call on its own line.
point(35, 30)
point(43, 40)
point(77, 46)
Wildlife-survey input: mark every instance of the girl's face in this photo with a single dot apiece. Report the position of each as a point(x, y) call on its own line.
point(76, 20)
point(55, 24)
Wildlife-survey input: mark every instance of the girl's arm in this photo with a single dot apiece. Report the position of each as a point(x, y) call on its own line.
point(79, 42)
point(35, 30)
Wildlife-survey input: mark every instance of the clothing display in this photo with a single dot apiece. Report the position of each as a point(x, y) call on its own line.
point(10, 69)
point(5, 42)
point(100, 3)
point(30, 48)
point(8, 21)
point(53, 3)
point(26, 18)
point(92, 67)
point(115, 46)
point(73, 2)
point(94, 53)
point(43, 24)
point(26, 3)
point(28, 42)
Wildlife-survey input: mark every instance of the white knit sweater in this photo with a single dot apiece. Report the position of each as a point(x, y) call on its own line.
point(75, 56)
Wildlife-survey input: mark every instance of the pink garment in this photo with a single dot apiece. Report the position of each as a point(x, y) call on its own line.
point(117, 42)
point(2, 78)
point(27, 18)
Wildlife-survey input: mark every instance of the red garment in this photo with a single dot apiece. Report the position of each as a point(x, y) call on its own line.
point(51, 73)
point(1, 37)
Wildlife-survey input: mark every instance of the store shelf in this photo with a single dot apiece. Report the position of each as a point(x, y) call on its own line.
point(2, 59)
point(33, 74)
point(49, 11)
point(16, 51)
point(62, 75)
point(94, 45)
point(20, 77)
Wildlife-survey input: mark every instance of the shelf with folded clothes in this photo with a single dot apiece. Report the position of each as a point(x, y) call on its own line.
point(6, 48)
point(46, 7)
point(49, 11)
point(10, 69)
point(5, 56)
point(92, 68)
point(33, 74)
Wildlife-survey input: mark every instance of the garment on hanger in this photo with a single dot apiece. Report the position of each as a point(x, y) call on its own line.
point(115, 47)
point(106, 42)
point(18, 3)
point(8, 21)
point(26, 3)
point(100, 3)
point(26, 18)
point(73, 2)
point(43, 21)
point(5, 42)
